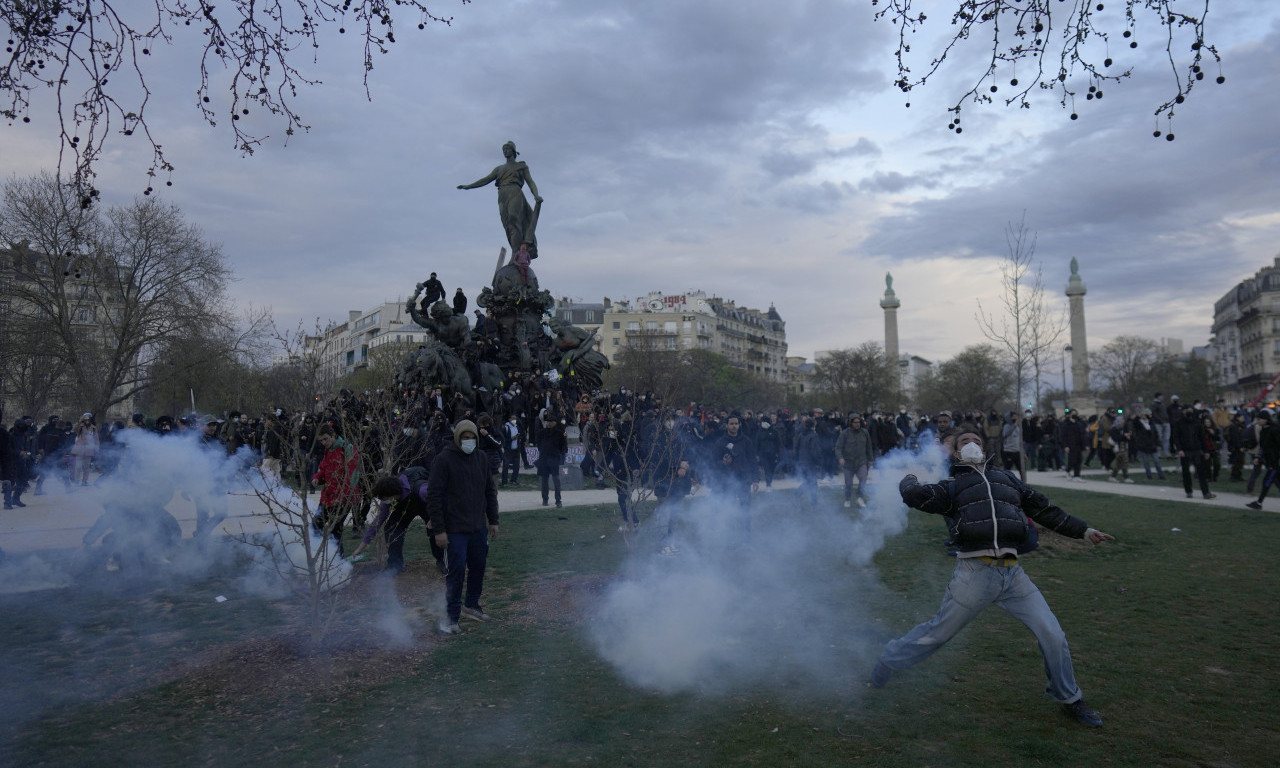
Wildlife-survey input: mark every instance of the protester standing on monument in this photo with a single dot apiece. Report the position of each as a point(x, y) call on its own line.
point(432, 291)
point(986, 511)
point(463, 506)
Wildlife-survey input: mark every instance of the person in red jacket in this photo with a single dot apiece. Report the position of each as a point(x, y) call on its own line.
point(338, 478)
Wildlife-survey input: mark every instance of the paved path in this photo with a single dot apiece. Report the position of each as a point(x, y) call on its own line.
point(59, 519)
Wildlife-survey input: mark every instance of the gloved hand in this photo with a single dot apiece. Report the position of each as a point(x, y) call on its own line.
point(907, 482)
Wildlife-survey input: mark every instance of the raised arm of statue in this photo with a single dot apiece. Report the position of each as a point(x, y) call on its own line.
point(493, 175)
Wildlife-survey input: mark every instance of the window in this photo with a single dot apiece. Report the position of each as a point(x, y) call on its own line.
point(615, 341)
point(589, 316)
point(651, 325)
point(1276, 349)
point(670, 343)
point(669, 326)
point(616, 325)
point(688, 327)
point(633, 325)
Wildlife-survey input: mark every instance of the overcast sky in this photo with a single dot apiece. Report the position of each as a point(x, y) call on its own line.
point(755, 150)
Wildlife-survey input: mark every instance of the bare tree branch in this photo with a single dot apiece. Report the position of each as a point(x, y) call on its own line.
point(90, 52)
point(1059, 47)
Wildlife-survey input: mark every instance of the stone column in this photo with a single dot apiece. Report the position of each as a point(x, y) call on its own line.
point(1079, 346)
point(890, 306)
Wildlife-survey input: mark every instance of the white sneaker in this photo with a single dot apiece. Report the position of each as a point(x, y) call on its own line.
point(475, 613)
point(669, 551)
point(847, 504)
point(1112, 479)
point(622, 528)
point(1129, 480)
point(861, 503)
point(447, 627)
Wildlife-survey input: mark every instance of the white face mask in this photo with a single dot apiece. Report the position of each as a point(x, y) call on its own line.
point(468, 446)
point(971, 453)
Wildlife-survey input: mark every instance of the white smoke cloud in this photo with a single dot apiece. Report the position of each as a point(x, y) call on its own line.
point(786, 609)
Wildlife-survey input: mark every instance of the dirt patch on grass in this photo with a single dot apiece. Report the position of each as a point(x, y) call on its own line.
point(357, 648)
point(562, 598)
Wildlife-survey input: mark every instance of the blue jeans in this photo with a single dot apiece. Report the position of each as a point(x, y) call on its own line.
point(1148, 459)
point(974, 586)
point(468, 553)
point(850, 472)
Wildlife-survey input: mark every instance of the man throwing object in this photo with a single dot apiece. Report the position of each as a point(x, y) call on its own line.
point(985, 516)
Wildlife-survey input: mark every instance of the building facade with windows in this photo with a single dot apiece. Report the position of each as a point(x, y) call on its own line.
point(1245, 343)
point(345, 347)
point(750, 339)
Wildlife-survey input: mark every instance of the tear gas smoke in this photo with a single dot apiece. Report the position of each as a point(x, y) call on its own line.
point(786, 610)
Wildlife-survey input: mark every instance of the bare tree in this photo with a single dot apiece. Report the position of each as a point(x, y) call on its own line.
point(691, 375)
point(858, 377)
point(32, 374)
point(973, 380)
point(1064, 48)
point(94, 55)
point(1027, 330)
point(110, 287)
point(1126, 365)
point(298, 547)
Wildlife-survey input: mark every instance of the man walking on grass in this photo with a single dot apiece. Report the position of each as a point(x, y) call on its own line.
point(986, 511)
point(462, 503)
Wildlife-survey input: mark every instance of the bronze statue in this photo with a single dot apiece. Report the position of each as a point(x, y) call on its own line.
point(518, 219)
point(577, 355)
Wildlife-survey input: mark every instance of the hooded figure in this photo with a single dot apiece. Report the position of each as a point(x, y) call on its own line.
point(462, 503)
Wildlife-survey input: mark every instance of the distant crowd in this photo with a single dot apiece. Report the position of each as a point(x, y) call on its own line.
point(628, 437)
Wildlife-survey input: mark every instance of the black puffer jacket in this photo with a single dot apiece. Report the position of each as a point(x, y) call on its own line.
point(985, 509)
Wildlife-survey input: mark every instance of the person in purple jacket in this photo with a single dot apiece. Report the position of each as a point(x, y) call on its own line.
point(400, 499)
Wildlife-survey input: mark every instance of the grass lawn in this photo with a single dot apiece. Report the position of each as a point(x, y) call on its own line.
point(1172, 629)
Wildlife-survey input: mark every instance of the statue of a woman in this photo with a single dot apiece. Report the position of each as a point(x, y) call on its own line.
point(518, 219)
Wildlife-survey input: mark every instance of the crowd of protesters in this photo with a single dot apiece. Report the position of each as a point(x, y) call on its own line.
point(629, 438)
